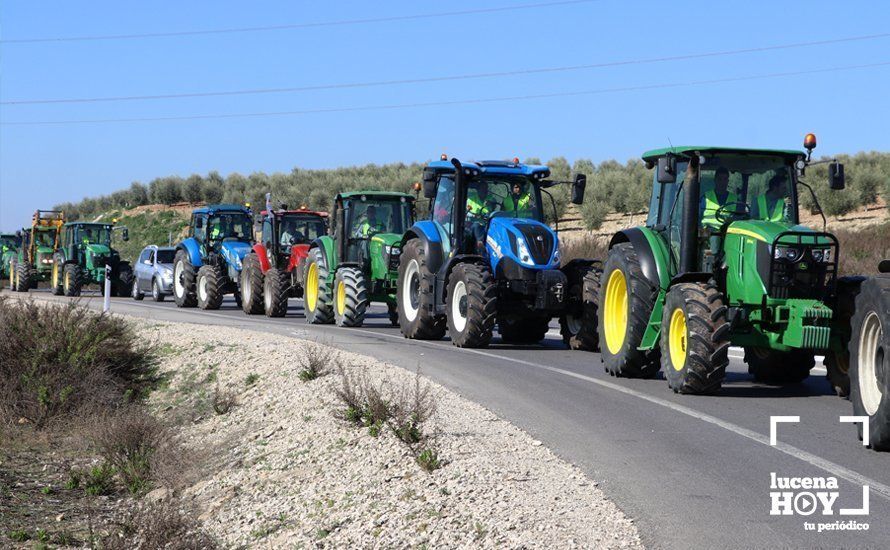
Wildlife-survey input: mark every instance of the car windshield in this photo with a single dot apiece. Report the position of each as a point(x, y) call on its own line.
point(504, 196)
point(234, 225)
point(95, 234)
point(300, 229)
point(379, 216)
point(165, 256)
point(747, 186)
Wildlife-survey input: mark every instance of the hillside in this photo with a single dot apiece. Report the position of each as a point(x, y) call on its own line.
point(150, 224)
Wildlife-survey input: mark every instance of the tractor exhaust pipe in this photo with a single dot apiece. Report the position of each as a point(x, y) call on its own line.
point(460, 198)
point(689, 226)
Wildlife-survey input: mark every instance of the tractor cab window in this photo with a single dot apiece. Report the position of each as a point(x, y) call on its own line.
point(444, 203)
point(46, 238)
point(267, 232)
point(746, 187)
point(10, 241)
point(232, 226)
point(300, 229)
point(96, 234)
point(511, 197)
point(371, 217)
point(664, 196)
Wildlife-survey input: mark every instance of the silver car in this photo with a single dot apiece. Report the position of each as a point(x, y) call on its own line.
point(154, 273)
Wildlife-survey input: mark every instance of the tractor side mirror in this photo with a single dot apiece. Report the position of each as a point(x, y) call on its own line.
point(667, 169)
point(125, 235)
point(429, 185)
point(836, 179)
point(578, 187)
point(884, 266)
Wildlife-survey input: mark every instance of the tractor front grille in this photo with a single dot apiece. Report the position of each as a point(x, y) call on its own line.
point(539, 240)
point(804, 276)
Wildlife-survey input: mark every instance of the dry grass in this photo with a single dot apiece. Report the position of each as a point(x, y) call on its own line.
point(318, 360)
point(129, 440)
point(159, 526)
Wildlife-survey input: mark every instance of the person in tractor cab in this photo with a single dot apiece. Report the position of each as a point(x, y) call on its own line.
point(480, 204)
point(290, 234)
point(87, 236)
point(519, 201)
point(771, 205)
point(714, 199)
point(371, 225)
point(220, 228)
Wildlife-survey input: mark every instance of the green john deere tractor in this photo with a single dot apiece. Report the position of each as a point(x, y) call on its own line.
point(722, 260)
point(84, 257)
point(9, 249)
point(358, 262)
point(34, 260)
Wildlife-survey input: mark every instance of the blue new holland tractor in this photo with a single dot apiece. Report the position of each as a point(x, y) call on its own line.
point(485, 257)
point(207, 264)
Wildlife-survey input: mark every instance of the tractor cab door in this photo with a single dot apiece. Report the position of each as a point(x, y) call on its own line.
point(442, 212)
point(199, 228)
point(666, 212)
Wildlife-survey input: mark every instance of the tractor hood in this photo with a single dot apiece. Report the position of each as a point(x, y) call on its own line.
point(234, 252)
point(766, 231)
point(387, 239)
point(529, 243)
point(98, 249)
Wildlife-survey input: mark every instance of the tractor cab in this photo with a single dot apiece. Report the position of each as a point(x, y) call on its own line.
point(367, 226)
point(85, 252)
point(282, 230)
point(10, 241)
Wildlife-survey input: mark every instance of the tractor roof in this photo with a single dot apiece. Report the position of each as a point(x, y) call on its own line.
point(95, 224)
point(377, 194)
point(497, 167)
point(214, 208)
point(790, 154)
point(305, 211)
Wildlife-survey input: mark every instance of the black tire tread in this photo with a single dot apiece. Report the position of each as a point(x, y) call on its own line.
point(482, 305)
point(426, 326)
point(588, 338)
point(215, 284)
point(324, 309)
point(252, 278)
point(874, 296)
point(77, 277)
point(276, 285)
point(189, 280)
point(356, 303)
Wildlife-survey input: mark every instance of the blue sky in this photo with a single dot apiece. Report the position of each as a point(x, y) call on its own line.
point(44, 165)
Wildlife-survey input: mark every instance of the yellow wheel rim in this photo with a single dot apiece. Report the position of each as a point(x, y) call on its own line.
point(615, 314)
point(55, 275)
point(67, 280)
point(341, 298)
point(312, 287)
point(677, 338)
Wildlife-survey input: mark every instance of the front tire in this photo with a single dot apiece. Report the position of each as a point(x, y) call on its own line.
point(837, 363)
point(135, 294)
point(779, 368)
point(210, 287)
point(73, 280)
point(317, 304)
point(870, 361)
point(123, 285)
point(184, 280)
point(579, 328)
point(156, 293)
point(694, 339)
point(350, 297)
point(626, 300)
point(276, 291)
point(472, 306)
point(56, 278)
point(414, 298)
point(252, 285)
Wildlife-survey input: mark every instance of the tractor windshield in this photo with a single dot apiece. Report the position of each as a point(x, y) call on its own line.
point(95, 234)
point(45, 238)
point(230, 226)
point(746, 187)
point(379, 216)
point(300, 229)
point(501, 196)
point(10, 241)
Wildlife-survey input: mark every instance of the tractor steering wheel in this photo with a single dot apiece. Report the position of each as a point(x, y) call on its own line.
point(724, 214)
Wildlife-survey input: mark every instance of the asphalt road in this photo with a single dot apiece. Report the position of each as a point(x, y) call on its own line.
point(693, 471)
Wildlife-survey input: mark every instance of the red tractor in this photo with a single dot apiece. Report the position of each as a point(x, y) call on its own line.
point(272, 271)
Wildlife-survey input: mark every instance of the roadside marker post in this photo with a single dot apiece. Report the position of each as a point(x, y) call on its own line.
point(106, 302)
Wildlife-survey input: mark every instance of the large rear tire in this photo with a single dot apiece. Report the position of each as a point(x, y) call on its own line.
point(837, 363)
point(317, 303)
point(252, 282)
point(694, 338)
point(73, 280)
point(210, 287)
point(472, 305)
point(626, 300)
point(870, 360)
point(123, 285)
point(529, 330)
point(414, 298)
point(23, 275)
point(276, 290)
point(579, 327)
point(779, 368)
point(350, 297)
point(184, 280)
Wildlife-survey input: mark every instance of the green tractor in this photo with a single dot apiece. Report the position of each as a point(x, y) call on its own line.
point(722, 260)
point(87, 257)
point(9, 249)
point(34, 260)
point(357, 263)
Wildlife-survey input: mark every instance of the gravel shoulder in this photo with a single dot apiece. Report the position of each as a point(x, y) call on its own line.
point(282, 468)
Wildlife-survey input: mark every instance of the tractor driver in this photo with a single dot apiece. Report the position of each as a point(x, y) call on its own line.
point(480, 203)
point(519, 201)
point(771, 205)
point(222, 228)
point(87, 235)
point(371, 225)
point(719, 196)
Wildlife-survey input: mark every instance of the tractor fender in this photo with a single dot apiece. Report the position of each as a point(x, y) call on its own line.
point(298, 253)
point(193, 249)
point(652, 261)
point(262, 257)
point(427, 232)
point(328, 252)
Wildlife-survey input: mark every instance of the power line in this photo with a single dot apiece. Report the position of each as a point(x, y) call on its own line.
point(340, 23)
point(497, 74)
point(455, 102)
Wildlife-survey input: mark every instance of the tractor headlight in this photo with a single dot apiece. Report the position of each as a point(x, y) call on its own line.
point(392, 250)
point(822, 255)
point(556, 255)
point(789, 253)
point(522, 252)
